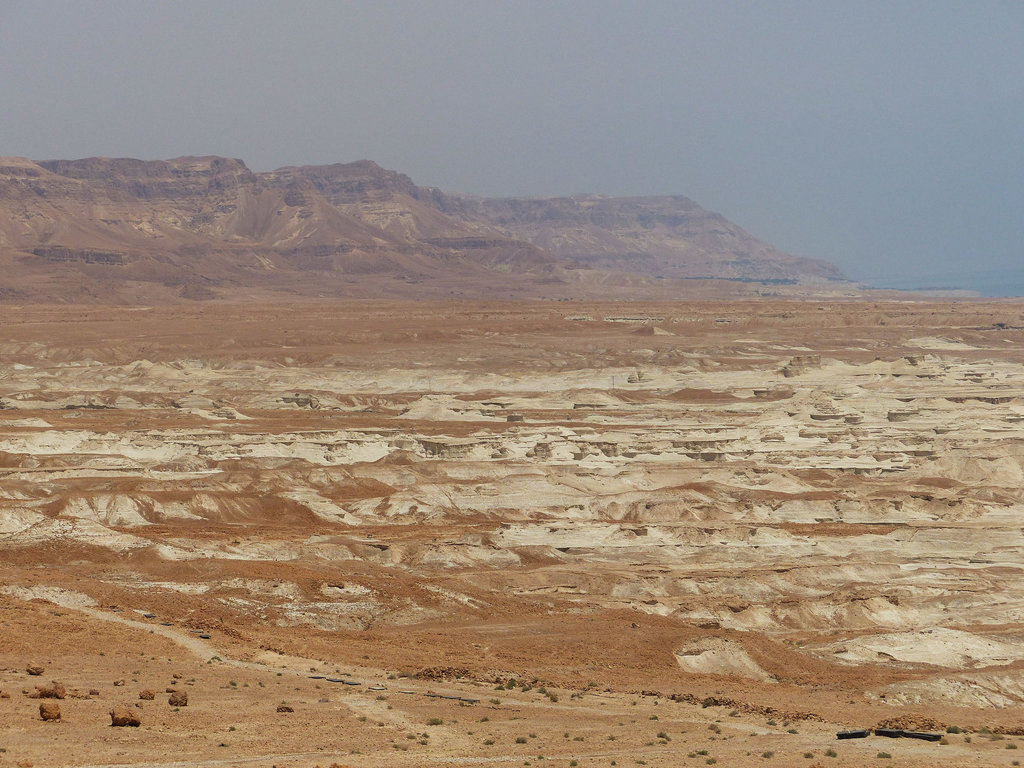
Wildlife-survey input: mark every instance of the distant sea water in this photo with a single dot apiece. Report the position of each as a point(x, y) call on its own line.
point(991, 283)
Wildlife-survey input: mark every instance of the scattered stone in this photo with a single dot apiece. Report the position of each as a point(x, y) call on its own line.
point(94, 692)
point(147, 695)
point(284, 708)
point(49, 710)
point(54, 690)
point(122, 716)
point(170, 689)
point(34, 669)
point(922, 735)
point(178, 699)
point(302, 401)
point(118, 683)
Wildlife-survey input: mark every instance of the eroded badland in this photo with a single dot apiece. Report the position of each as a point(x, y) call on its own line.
point(544, 533)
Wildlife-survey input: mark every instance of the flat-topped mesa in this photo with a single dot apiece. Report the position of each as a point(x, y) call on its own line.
point(103, 228)
point(157, 179)
point(659, 236)
point(344, 183)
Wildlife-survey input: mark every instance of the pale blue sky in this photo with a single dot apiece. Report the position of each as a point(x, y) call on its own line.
point(887, 137)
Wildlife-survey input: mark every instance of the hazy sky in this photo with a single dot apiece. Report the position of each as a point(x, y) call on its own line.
point(887, 137)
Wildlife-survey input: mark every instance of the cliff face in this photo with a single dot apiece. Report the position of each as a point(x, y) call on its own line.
point(155, 179)
point(669, 237)
point(201, 227)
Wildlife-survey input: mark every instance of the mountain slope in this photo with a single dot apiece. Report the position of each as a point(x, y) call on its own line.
point(102, 229)
point(656, 236)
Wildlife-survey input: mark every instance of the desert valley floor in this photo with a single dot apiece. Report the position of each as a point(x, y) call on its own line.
point(549, 534)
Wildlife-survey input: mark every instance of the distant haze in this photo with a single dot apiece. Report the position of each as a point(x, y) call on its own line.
point(886, 137)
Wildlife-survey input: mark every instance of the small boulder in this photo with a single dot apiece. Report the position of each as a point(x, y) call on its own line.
point(54, 690)
point(4, 695)
point(284, 708)
point(147, 695)
point(34, 669)
point(178, 699)
point(49, 710)
point(122, 716)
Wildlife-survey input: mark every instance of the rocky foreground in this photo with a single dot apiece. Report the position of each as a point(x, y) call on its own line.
point(476, 533)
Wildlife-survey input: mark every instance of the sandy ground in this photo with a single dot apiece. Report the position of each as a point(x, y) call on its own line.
point(580, 523)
